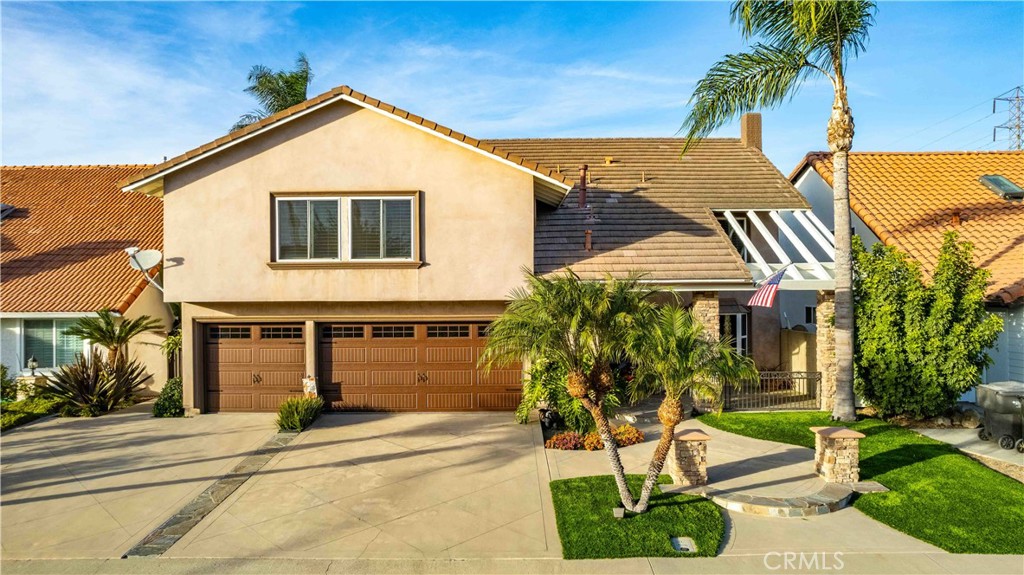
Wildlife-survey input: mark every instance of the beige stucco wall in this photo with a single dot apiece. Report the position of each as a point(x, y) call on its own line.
point(476, 222)
point(195, 315)
point(146, 347)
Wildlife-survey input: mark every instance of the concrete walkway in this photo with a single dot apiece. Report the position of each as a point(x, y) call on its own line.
point(967, 440)
point(76, 487)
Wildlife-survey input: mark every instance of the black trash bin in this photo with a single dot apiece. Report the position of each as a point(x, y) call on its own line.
point(1003, 402)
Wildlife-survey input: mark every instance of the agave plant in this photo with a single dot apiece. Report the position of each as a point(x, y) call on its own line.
point(90, 386)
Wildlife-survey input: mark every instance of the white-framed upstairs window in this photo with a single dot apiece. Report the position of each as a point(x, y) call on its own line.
point(381, 229)
point(45, 340)
point(734, 238)
point(308, 229)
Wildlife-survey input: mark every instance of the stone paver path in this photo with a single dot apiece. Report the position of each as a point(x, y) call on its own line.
point(414, 485)
point(94, 487)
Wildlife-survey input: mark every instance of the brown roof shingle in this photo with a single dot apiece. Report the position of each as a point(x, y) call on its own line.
point(654, 208)
point(329, 95)
point(908, 200)
point(62, 250)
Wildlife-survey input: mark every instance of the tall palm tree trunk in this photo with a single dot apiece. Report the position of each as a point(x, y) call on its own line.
point(611, 450)
point(670, 414)
point(840, 141)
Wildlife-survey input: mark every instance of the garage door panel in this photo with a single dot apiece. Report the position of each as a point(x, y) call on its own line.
point(393, 355)
point(393, 377)
point(449, 354)
point(460, 377)
point(286, 356)
point(445, 401)
point(413, 366)
point(394, 401)
point(253, 367)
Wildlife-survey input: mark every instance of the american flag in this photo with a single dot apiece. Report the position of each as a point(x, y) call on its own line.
point(765, 295)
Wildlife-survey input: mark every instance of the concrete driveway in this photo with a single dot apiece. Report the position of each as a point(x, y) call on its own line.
point(94, 487)
point(394, 486)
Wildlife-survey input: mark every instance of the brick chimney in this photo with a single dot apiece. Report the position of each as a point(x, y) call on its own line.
point(750, 130)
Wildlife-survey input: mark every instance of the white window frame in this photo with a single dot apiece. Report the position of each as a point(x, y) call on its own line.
point(730, 233)
point(741, 341)
point(412, 228)
point(309, 227)
point(23, 368)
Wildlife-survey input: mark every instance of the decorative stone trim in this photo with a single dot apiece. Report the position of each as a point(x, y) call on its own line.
point(26, 385)
point(837, 454)
point(705, 309)
point(832, 497)
point(688, 458)
point(825, 349)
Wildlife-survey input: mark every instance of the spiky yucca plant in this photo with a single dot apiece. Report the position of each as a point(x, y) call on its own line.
point(91, 386)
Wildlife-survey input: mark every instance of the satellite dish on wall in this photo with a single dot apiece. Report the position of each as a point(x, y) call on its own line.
point(144, 260)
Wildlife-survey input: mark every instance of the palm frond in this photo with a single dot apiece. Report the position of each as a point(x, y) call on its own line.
point(765, 77)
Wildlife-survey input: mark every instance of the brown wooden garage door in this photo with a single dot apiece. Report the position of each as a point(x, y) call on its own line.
point(411, 367)
point(253, 367)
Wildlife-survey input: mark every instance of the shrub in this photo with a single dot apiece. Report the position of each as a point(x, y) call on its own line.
point(546, 384)
point(88, 386)
point(919, 346)
point(298, 413)
point(8, 387)
point(566, 441)
point(592, 442)
point(169, 404)
point(17, 413)
point(627, 435)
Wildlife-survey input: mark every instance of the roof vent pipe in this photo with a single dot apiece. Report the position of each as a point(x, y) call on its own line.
point(583, 186)
point(587, 244)
point(955, 220)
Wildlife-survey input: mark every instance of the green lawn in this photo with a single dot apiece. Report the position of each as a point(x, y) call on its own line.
point(938, 495)
point(15, 413)
point(583, 510)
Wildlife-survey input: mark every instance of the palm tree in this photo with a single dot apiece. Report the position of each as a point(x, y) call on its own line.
point(111, 332)
point(583, 327)
point(276, 91)
point(675, 354)
point(802, 39)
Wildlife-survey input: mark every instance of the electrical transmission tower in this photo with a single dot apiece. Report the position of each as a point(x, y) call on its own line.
point(1015, 123)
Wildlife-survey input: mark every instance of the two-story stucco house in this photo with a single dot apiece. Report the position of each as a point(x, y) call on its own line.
point(357, 242)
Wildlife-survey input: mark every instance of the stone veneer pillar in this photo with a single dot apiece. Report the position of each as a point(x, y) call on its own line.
point(26, 385)
point(688, 458)
point(825, 349)
point(837, 454)
point(705, 309)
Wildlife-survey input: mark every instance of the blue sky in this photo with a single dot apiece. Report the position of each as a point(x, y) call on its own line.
point(134, 82)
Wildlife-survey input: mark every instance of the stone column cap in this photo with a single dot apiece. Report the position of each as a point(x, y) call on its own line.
point(692, 435)
point(837, 433)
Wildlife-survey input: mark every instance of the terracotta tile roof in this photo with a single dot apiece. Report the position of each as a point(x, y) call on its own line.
point(63, 249)
point(654, 208)
point(330, 95)
point(908, 200)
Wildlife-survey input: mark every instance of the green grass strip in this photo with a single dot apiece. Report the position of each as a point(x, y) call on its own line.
point(937, 494)
point(587, 529)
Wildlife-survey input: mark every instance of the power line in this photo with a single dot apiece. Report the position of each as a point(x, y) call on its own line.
point(929, 127)
point(957, 131)
point(1014, 124)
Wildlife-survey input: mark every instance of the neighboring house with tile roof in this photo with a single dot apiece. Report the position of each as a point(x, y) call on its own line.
point(62, 257)
point(356, 242)
point(911, 199)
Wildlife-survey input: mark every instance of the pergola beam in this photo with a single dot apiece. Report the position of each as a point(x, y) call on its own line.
point(748, 244)
point(817, 269)
point(830, 249)
point(780, 253)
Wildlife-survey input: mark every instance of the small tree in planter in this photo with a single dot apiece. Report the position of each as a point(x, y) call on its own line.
point(112, 333)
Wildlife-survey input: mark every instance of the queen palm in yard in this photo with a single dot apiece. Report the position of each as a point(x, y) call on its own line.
point(276, 91)
point(801, 40)
point(673, 353)
point(581, 325)
point(113, 333)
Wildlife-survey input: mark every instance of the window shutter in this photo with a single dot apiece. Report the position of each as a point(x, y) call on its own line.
point(292, 229)
point(398, 229)
point(366, 229)
point(38, 337)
